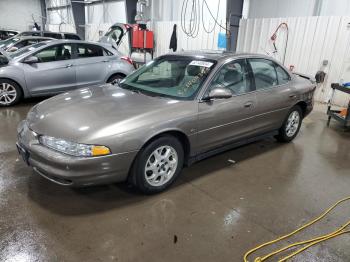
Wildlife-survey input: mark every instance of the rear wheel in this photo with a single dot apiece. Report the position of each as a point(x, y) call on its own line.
point(157, 165)
point(291, 125)
point(10, 92)
point(114, 79)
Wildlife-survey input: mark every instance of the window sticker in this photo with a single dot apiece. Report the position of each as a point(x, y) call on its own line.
point(201, 63)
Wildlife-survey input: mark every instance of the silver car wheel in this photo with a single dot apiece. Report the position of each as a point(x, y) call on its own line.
point(161, 166)
point(8, 93)
point(292, 123)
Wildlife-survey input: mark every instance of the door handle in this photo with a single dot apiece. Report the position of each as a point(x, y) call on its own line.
point(69, 65)
point(248, 104)
point(105, 61)
point(292, 96)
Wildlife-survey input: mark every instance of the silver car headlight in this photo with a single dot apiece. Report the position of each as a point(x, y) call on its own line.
point(73, 149)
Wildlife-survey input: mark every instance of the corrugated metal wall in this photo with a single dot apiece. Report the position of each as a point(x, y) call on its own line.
point(311, 40)
point(203, 41)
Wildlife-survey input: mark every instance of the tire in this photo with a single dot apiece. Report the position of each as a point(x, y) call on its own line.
point(163, 170)
point(291, 125)
point(115, 78)
point(10, 92)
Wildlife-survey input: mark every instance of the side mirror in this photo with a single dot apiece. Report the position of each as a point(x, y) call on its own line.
point(31, 60)
point(219, 93)
point(12, 49)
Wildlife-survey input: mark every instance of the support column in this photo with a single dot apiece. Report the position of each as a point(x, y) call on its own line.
point(234, 14)
point(78, 10)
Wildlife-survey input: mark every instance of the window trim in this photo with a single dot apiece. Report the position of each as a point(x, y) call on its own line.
point(217, 71)
point(76, 53)
point(274, 65)
point(46, 47)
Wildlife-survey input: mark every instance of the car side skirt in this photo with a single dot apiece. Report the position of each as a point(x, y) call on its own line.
point(229, 146)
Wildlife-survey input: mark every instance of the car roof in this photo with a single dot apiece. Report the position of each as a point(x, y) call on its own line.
point(63, 41)
point(34, 37)
point(217, 54)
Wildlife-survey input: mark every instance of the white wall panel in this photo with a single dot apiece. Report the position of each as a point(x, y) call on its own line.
point(17, 14)
point(311, 40)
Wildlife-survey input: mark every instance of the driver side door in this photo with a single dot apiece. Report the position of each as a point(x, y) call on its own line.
point(54, 72)
point(221, 121)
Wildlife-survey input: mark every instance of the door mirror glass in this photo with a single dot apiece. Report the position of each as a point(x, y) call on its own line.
point(31, 60)
point(219, 93)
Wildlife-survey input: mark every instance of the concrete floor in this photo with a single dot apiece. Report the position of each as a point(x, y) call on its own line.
point(215, 212)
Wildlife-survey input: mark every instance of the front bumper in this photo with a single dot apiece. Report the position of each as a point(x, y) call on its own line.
point(69, 170)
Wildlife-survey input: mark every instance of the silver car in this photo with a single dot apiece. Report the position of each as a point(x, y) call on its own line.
point(57, 66)
point(172, 112)
point(16, 43)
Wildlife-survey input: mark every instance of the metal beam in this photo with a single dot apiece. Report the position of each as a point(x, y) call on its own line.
point(234, 14)
point(43, 14)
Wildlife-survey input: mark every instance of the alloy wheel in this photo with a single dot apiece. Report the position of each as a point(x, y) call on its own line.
point(161, 165)
point(8, 94)
point(292, 123)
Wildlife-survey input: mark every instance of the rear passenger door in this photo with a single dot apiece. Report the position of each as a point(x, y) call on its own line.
point(91, 64)
point(274, 94)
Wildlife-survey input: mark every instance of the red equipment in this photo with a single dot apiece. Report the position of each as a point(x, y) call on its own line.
point(141, 38)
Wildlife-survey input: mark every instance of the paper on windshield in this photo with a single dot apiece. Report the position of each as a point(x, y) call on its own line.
point(201, 63)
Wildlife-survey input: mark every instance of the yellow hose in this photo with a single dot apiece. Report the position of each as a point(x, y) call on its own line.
point(309, 242)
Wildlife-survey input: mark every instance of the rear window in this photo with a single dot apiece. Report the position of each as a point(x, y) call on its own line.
point(71, 36)
point(53, 35)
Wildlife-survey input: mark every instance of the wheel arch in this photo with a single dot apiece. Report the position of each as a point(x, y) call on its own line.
point(115, 74)
point(180, 135)
point(303, 106)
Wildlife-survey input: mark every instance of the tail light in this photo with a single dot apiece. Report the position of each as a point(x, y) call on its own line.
point(127, 59)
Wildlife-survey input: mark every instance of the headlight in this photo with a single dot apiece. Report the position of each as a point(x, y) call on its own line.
point(73, 149)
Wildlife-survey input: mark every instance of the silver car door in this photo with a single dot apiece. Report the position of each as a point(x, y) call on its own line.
point(274, 94)
point(91, 64)
point(226, 120)
point(54, 73)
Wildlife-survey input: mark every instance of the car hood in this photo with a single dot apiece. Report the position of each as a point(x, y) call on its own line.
point(92, 114)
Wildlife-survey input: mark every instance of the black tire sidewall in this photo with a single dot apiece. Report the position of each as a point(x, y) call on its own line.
point(138, 170)
point(18, 90)
point(282, 133)
point(115, 77)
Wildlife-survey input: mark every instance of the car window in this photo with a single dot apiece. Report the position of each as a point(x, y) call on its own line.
point(115, 33)
point(54, 53)
point(107, 52)
point(71, 36)
point(53, 35)
point(264, 71)
point(88, 50)
point(233, 76)
point(282, 75)
point(21, 44)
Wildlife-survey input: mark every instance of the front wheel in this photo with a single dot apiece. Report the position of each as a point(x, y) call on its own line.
point(157, 165)
point(291, 125)
point(10, 93)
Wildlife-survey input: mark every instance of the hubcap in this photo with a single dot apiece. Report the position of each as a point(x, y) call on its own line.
point(161, 165)
point(292, 123)
point(8, 93)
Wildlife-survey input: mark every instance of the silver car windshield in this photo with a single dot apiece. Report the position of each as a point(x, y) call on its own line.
point(173, 76)
point(25, 50)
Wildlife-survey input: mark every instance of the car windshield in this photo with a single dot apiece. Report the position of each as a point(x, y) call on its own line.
point(25, 50)
point(177, 77)
point(8, 42)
